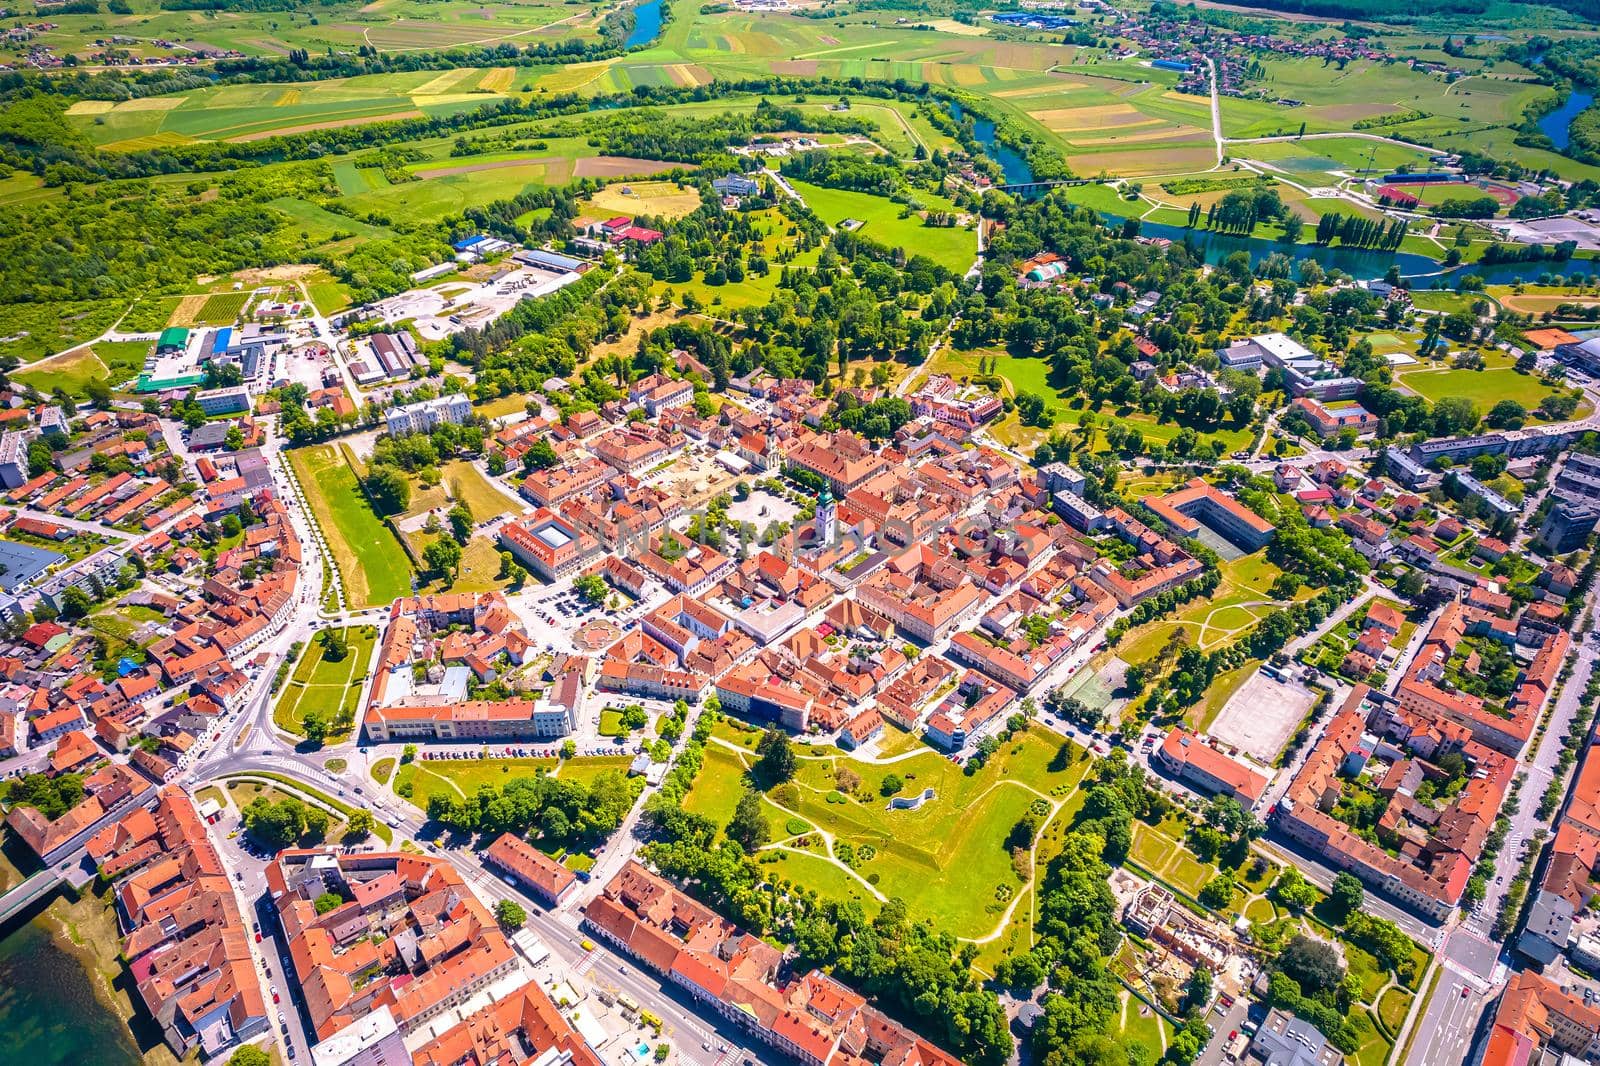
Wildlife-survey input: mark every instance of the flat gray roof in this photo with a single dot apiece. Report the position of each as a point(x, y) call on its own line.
point(24, 562)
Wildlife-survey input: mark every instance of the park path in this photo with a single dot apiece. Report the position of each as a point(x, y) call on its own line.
point(1028, 891)
point(873, 760)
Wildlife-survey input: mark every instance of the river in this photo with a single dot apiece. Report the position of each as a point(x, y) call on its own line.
point(1361, 264)
point(1557, 125)
point(1012, 165)
point(49, 1011)
point(646, 23)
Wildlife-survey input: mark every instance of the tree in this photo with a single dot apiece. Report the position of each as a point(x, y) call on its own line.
point(1313, 964)
point(509, 913)
point(1187, 1043)
point(1031, 409)
point(776, 760)
point(408, 753)
point(360, 825)
point(280, 824)
point(1346, 895)
point(388, 488)
point(1197, 992)
point(569, 748)
point(249, 1055)
point(1295, 892)
point(1454, 415)
point(460, 522)
point(540, 456)
point(75, 603)
point(1022, 970)
point(315, 823)
point(335, 644)
point(1217, 892)
point(749, 825)
point(592, 587)
point(315, 725)
point(1507, 414)
point(443, 556)
point(891, 784)
point(1410, 585)
point(328, 901)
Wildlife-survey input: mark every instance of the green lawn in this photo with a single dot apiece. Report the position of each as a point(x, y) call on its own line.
point(376, 570)
point(72, 371)
point(586, 768)
point(1063, 404)
point(951, 247)
point(1392, 1008)
point(462, 777)
point(1137, 1022)
point(719, 785)
point(1214, 620)
point(1497, 381)
point(321, 684)
point(947, 859)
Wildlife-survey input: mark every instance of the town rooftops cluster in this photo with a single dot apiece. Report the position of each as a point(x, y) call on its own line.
point(1568, 888)
point(813, 1018)
point(201, 647)
point(183, 936)
point(1426, 688)
point(1424, 851)
point(458, 637)
point(408, 935)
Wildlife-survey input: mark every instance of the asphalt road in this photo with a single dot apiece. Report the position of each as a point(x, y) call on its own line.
point(1444, 1034)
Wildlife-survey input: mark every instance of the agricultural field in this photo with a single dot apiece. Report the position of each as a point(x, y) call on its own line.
point(1322, 159)
point(393, 25)
point(1333, 99)
point(321, 684)
point(658, 199)
point(375, 568)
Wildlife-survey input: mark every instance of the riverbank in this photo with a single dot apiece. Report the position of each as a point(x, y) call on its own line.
point(65, 996)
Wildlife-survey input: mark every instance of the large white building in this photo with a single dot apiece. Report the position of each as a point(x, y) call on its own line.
point(13, 458)
point(371, 1041)
point(230, 400)
point(425, 416)
point(1308, 374)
